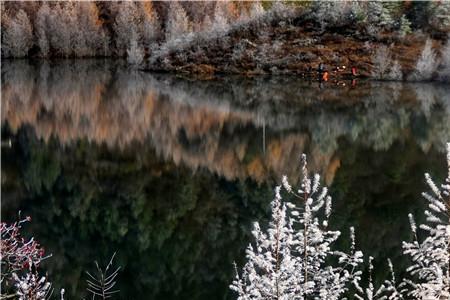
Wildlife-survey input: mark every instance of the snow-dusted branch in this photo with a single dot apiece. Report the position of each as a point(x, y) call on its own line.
point(430, 256)
point(20, 259)
point(17, 253)
point(390, 289)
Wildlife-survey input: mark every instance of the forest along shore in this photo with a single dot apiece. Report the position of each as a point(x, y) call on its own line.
point(381, 40)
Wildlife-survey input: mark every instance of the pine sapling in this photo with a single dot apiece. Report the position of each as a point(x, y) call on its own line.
point(290, 259)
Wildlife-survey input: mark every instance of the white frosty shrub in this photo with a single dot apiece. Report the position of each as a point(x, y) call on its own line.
point(381, 62)
point(135, 53)
point(383, 66)
point(430, 256)
point(444, 72)
point(395, 72)
point(426, 64)
point(289, 260)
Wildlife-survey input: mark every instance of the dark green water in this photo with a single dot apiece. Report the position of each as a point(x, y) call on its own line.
point(170, 172)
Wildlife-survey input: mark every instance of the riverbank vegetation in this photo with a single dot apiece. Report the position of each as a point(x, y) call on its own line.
point(239, 37)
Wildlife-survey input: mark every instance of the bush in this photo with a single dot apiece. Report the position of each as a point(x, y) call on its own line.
point(426, 64)
point(381, 62)
point(135, 53)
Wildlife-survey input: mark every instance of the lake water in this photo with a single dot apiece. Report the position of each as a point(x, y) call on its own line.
point(171, 171)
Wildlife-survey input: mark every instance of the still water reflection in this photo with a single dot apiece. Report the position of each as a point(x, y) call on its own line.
point(171, 171)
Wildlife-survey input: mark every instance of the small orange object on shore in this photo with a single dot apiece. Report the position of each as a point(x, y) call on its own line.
point(325, 76)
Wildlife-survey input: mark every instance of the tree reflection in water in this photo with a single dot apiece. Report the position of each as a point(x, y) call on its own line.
point(171, 171)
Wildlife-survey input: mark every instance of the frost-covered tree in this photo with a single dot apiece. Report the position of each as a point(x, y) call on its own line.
point(125, 25)
point(268, 274)
point(221, 23)
point(279, 10)
point(17, 37)
point(426, 64)
point(151, 26)
point(135, 20)
point(289, 261)
point(42, 23)
point(430, 256)
point(88, 37)
point(177, 24)
point(330, 13)
point(61, 26)
point(256, 10)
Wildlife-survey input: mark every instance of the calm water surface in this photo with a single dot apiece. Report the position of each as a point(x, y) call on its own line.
point(170, 171)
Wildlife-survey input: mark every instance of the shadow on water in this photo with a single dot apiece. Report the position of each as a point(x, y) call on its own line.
point(171, 171)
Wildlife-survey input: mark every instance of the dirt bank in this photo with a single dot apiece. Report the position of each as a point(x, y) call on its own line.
point(295, 48)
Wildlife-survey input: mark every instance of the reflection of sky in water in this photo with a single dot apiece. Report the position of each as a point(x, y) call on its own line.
point(175, 170)
point(216, 124)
